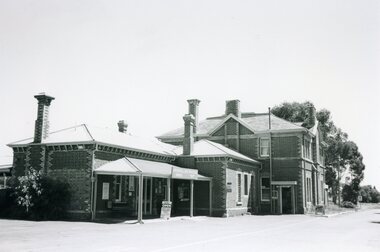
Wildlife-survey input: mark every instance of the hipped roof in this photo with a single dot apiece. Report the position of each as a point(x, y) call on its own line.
point(85, 133)
point(135, 167)
point(208, 148)
point(255, 122)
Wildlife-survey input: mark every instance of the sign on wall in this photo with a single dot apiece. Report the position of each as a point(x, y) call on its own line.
point(131, 184)
point(229, 187)
point(106, 191)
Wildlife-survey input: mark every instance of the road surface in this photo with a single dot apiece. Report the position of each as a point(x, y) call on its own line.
point(358, 232)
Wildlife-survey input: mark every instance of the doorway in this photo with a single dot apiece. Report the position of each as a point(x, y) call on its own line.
point(286, 200)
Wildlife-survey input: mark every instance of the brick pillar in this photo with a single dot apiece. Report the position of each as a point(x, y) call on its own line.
point(188, 139)
point(233, 107)
point(41, 129)
point(193, 110)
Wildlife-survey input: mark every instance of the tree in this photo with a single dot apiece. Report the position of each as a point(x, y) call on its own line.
point(369, 194)
point(340, 154)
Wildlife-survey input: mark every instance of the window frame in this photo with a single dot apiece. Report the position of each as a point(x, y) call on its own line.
point(246, 181)
point(239, 188)
point(261, 147)
point(118, 188)
point(264, 188)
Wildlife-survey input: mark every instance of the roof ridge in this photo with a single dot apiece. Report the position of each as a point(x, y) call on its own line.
point(132, 163)
point(52, 132)
point(88, 131)
point(211, 143)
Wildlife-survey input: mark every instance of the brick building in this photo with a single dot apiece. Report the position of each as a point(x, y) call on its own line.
point(291, 176)
point(115, 174)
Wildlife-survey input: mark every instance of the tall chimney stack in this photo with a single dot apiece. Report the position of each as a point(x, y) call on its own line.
point(312, 118)
point(188, 139)
point(193, 110)
point(41, 129)
point(122, 126)
point(233, 107)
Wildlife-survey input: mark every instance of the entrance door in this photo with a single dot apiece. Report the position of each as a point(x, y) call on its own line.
point(286, 200)
point(147, 196)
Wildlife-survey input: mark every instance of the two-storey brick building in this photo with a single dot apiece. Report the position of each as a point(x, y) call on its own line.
point(291, 177)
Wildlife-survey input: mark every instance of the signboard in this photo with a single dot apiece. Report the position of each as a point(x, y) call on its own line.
point(166, 210)
point(182, 173)
point(229, 187)
point(131, 184)
point(106, 191)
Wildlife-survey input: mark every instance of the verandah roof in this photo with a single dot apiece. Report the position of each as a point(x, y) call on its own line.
point(136, 167)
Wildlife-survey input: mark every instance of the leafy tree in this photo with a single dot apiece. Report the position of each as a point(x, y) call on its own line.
point(340, 154)
point(369, 194)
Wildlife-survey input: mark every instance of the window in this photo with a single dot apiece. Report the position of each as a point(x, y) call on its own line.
point(306, 149)
point(265, 189)
point(264, 147)
point(239, 187)
point(245, 184)
point(308, 189)
point(118, 188)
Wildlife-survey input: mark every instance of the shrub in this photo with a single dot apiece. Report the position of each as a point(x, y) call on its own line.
point(36, 197)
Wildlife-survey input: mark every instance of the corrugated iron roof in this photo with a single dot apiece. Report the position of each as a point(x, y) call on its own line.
point(86, 133)
point(208, 148)
point(256, 122)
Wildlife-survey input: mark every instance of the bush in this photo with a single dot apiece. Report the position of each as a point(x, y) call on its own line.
point(36, 197)
point(369, 194)
point(349, 194)
point(53, 202)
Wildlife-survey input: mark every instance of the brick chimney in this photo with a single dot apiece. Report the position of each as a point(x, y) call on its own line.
point(233, 107)
point(122, 126)
point(311, 116)
point(193, 110)
point(188, 139)
point(41, 129)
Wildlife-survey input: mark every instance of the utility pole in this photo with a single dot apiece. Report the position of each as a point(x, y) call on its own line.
point(339, 180)
point(270, 162)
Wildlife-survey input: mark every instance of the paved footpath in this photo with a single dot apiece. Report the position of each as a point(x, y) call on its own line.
point(357, 231)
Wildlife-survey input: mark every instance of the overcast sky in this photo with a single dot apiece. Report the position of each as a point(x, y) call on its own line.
point(141, 60)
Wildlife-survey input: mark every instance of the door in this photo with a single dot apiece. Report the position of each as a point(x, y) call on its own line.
point(147, 196)
point(286, 200)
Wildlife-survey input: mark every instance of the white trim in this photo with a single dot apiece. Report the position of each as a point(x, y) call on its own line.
point(284, 183)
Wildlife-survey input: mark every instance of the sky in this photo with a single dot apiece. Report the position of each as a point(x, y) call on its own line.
point(140, 61)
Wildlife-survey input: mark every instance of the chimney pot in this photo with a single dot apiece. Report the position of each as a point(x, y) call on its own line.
point(122, 126)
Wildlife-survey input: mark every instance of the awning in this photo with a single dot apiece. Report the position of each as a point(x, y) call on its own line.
point(136, 167)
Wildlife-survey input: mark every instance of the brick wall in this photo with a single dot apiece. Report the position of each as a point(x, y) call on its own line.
point(75, 168)
point(234, 206)
point(216, 170)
